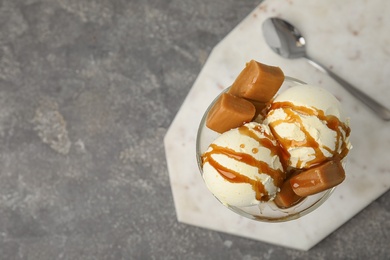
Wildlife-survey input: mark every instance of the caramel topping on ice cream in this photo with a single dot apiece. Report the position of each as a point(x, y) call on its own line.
point(262, 167)
point(294, 115)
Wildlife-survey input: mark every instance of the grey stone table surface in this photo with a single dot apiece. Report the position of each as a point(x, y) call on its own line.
point(88, 89)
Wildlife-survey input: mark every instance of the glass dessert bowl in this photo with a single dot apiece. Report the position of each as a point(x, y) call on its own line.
point(266, 211)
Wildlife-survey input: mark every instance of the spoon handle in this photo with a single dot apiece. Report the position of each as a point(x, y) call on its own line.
point(379, 109)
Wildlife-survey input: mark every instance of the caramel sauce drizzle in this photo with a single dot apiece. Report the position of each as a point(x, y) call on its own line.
point(262, 167)
point(332, 122)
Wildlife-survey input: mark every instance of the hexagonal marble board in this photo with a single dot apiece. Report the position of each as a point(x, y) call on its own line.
point(344, 43)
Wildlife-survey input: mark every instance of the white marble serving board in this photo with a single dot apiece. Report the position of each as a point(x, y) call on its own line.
point(352, 37)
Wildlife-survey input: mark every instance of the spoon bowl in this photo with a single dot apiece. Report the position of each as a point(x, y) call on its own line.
point(286, 40)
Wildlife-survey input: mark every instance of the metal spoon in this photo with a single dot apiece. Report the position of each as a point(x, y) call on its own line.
point(287, 41)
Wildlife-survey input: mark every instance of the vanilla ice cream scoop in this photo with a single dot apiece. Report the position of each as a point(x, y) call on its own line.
point(308, 123)
point(242, 166)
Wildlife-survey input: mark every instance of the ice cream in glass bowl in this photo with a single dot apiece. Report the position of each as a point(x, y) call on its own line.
point(272, 148)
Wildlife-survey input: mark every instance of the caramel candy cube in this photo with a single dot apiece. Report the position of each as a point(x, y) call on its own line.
point(258, 82)
point(229, 112)
point(260, 108)
point(318, 178)
point(286, 197)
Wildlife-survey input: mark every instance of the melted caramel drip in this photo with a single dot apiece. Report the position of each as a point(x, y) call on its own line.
point(332, 122)
point(236, 177)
